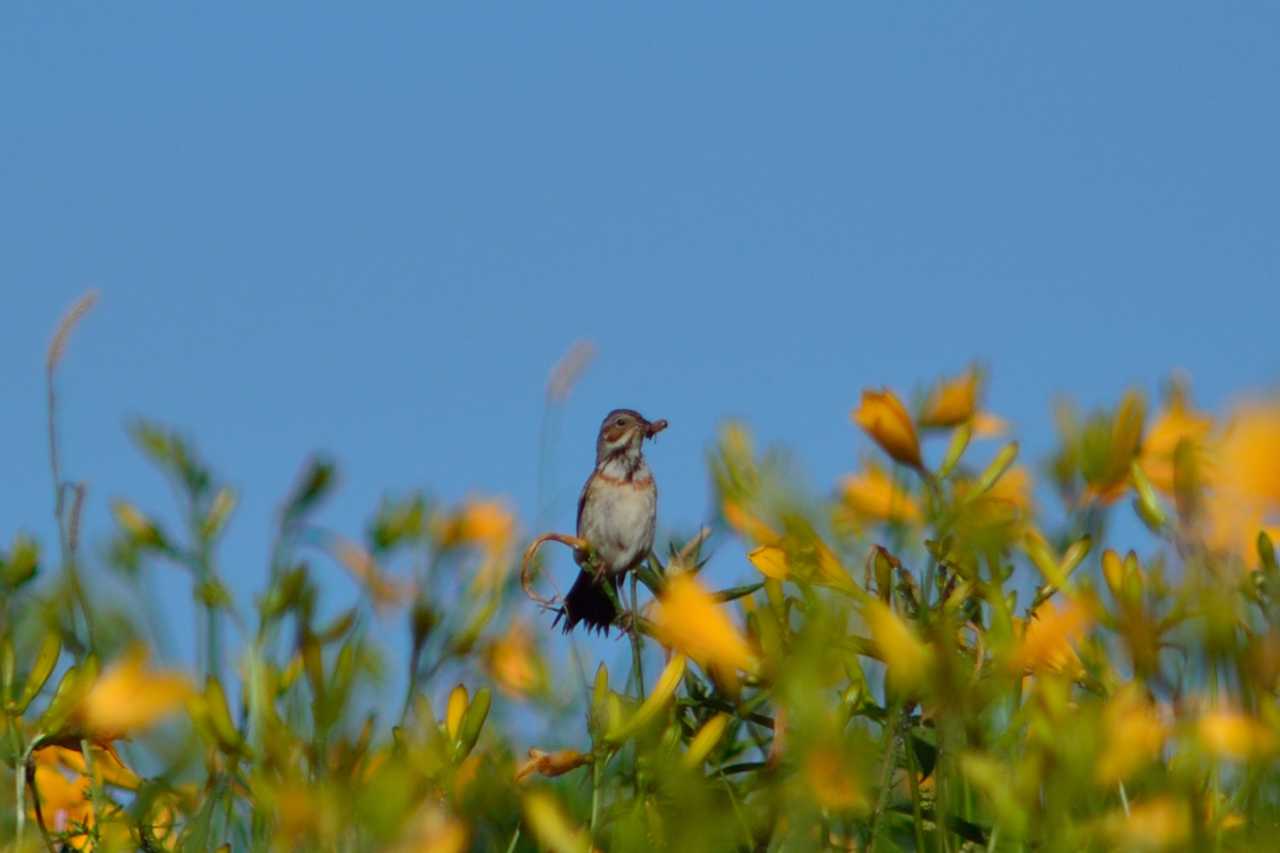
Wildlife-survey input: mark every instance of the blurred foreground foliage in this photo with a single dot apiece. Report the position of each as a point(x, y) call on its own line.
point(924, 659)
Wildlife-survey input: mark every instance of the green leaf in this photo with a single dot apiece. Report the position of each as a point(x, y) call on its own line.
point(219, 717)
point(21, 563)
point(995, 470)
point(472, 723)
point(41, 668)
point(73, 686)
point(1266, 551)
point(1075, 556)
point(1148, 505)
point(213, 593)
point(960, 438)
point(315, 482)
point(7, 664)
point(734, 593)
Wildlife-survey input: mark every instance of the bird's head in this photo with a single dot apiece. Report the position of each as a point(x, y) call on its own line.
point(623, 431)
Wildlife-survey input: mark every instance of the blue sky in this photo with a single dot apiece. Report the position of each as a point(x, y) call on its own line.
point(372, 229)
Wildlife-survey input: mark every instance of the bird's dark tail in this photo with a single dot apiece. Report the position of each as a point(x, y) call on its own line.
point(588, 602)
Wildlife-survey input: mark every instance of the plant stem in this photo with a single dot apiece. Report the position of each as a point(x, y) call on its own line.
point(597, 774)
point(886, 772)
point(637, 651)
point(912, 772)
point(19, 778)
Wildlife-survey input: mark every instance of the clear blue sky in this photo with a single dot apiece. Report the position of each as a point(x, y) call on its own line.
point(372, 229)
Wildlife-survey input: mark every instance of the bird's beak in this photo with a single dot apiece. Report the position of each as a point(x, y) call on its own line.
point(655, 427)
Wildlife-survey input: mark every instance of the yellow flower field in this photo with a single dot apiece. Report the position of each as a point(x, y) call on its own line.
point(950, 646)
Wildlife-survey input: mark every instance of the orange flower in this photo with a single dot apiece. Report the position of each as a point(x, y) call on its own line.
point(833, 784)
point(688, 619)
point(64, 802)
point(746, 524)
point(129, 697)
point(1245, 493)
point(1134, 734)
point(952, 402)
point(1159, 824)
point(1250, 456)
point(488, 524)
point(883, 417)
point(512, 661)
point(1047, 640)
point(874, 494)
point(1175, 424)
point(1235, 736)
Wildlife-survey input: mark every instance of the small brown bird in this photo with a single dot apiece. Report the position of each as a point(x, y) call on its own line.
point(616, 514)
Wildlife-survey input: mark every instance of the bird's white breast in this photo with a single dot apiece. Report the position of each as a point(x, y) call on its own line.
point(618, 520)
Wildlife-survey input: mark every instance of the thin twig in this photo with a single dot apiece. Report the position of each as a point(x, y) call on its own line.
point(527, 562)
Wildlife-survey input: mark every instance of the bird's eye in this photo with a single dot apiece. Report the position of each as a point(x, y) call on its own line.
point(620, 422)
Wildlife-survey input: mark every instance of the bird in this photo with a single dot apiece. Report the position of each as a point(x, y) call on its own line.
point(616, 514)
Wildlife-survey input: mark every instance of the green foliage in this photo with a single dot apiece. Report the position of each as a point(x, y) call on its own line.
point(924, 659)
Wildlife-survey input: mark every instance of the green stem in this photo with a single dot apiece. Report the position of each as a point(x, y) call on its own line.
point(95, 790)
point(886, 772)
point(737, 811)
point(597, 776)
point(912, 772)
point(514, 838)
point(637, 651)
point(19, 778)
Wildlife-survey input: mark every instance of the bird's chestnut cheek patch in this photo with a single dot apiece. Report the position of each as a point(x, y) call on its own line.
point(614, 434)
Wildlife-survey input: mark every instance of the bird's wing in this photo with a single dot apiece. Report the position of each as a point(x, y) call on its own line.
point(582, 502)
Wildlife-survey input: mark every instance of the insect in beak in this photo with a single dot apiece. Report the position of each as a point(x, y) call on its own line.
point(655, 427)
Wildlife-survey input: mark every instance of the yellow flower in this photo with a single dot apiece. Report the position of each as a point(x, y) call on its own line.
point(107, 766)
point(1234, 736)
point(831, 572)
point(832, 782)
point(905, 654)
point(688, 619)
point(705, 740)
point(1244, 495)
point(456, 708)
point(952, 402)
point(883, 417)
point(128, 697)
point(874, 494)
point(1133, 736)
point(487, 524)
point(1176, 424)
point(770, 561)
point(433, 829)
point(747, 525)
point(513, 663)
point(1158, 824)
point(1250, 455)
point(1048, 637)
point(1013, 489)
point(553, 829)
point(987, 425)
point(64, 802)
